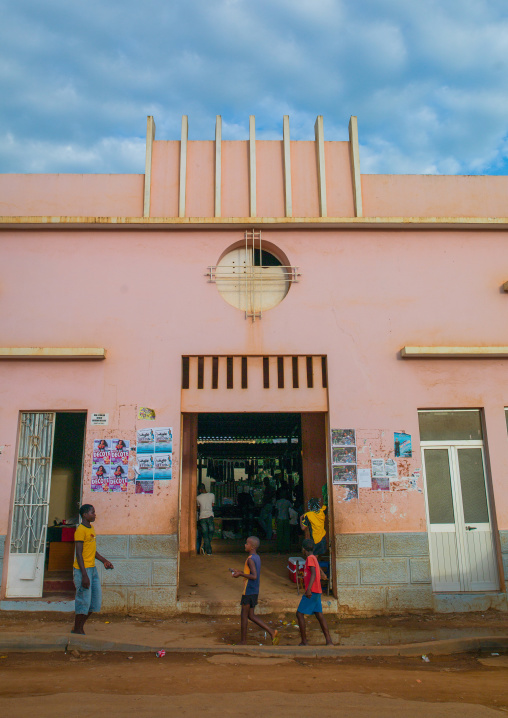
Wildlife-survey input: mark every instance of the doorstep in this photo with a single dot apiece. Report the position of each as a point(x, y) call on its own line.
point(63, 603)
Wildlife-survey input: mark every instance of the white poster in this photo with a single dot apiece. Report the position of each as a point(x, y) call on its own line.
point(145, 441)
point(163, 436)
point(378, 468)
point(364, 479)
point(391, 469)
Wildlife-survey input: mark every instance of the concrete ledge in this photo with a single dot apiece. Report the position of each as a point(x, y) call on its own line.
point(462, 602)
point(454, 352)
point(17, 642)
point(52, 353)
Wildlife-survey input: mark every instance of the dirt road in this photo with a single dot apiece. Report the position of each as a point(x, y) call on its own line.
point(143, 686)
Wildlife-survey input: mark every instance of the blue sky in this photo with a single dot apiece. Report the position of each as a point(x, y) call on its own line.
point(428, 79)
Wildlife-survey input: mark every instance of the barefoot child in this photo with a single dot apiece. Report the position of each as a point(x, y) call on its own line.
point(86, 577)
point(252, 575)
point(311, 600)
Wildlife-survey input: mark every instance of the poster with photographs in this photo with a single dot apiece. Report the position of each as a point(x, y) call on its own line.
point(110, 465)
point(343, 437)
point(144, 486)
point(380, 483)
point(345, 474)
point(100, 477)
point(402, 444)
point(343, 455)
point(378, 468)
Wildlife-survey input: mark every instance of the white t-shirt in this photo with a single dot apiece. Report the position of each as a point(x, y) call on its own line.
point(205, 503)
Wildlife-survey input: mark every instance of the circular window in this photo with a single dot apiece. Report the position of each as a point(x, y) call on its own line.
point(252, 280)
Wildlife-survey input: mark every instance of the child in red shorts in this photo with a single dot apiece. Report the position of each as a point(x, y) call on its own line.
point(311, 600)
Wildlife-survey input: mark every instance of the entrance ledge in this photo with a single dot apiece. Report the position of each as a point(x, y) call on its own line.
point(95, 353)
point(454, 352)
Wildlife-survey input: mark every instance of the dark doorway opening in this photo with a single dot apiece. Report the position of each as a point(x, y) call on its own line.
point(64, 502)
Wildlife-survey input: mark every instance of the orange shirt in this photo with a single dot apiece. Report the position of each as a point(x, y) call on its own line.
point(316, 586)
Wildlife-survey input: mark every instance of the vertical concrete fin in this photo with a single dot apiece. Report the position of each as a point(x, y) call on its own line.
point(252, 166)
point(320, 153)
point(150, 137)
point(183, 165)
point(354, 153)
point(218, 164)
point(288, 198)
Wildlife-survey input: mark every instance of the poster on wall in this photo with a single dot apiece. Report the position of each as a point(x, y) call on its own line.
point(146, 414)
point(118, 478)
point(402, 444)
point(343, 437)
point(145, 441)
point(110, 465)
point(364, 479)
point(100, 477)
point(380, 483)
point(120, 452)
point(144, 486)
point(378, 468)
point(163, 440)
point(144, 467)
point(162, 466)
point(343, 455)
point(391, 469)
point(344, 474)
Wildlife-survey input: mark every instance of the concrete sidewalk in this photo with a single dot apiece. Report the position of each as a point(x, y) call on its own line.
point(411, 635)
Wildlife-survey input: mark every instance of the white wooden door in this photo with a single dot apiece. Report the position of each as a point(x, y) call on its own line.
point(462, 551)
point(25, 574)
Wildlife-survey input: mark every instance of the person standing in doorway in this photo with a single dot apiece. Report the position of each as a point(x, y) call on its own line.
point(205, 501)
point(282, 506)
point(86, 577)
point(314, 520)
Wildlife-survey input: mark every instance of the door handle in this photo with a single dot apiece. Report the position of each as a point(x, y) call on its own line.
point(470, 528)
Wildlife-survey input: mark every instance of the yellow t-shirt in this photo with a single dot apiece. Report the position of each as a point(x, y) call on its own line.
point(317, 523)
point(89, 545)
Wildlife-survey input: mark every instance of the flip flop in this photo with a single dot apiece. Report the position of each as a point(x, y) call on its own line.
point(275, 639)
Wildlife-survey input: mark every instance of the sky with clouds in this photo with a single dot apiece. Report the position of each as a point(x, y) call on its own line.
point(428, 79)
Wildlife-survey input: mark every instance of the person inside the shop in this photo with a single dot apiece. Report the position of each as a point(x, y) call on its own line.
point(314, 520)
point(205, 501)
point(282, 507)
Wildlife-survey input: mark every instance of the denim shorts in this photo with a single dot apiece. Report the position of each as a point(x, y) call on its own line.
point(310, 605)
point(88, 600)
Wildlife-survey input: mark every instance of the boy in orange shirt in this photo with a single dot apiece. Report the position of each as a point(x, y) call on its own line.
point(311, 600)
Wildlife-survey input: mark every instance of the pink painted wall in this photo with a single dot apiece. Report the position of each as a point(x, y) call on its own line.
point(270, 179)
point(434, 196)
point(71, 195)
point(200, 196)
point(235, 179)
point(165, 179)
point(304, 183)
point(339, 187)
point(362, 296)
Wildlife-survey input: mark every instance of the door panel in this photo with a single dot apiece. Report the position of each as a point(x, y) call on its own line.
point(444, 554)
point(25, 573)
point(461, 546)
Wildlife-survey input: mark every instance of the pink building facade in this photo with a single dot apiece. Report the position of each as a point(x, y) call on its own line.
point(379, 323)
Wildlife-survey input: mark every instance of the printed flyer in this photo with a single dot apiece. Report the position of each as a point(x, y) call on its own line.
point(380, 483)
point(378, 468)
point(402, 444)
point(118, 478)
point(120, 452)
point(144, 486)
point(344, 456)
point(100, 477)
point(343, 437)
point(391, 469)
point(145, 466)
point(102, 451)
point(145, 441)
point(344, 474)
point(162, 467)
point(163, 437)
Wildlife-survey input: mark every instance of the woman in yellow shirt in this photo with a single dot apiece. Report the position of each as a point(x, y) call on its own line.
point(314, 520)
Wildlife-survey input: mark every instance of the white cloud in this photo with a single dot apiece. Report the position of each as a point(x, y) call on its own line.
point(428, 81)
